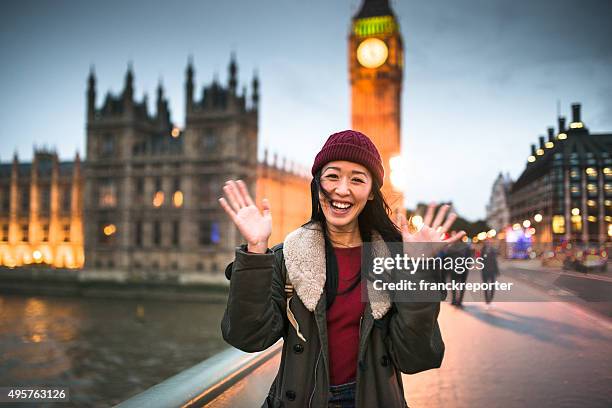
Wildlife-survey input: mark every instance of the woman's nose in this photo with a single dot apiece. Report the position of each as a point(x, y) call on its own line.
point(342, 188)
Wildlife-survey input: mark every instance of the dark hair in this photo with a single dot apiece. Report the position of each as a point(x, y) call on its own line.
point(375, 216)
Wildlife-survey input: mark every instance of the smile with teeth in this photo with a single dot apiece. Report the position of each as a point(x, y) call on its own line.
point(340, 205)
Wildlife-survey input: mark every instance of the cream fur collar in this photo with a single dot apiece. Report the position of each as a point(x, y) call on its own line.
point(304, 253)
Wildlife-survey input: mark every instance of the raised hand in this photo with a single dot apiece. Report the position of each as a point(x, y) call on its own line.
point(254, 225)
point(429, 239)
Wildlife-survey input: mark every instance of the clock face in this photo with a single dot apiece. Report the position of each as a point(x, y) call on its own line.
point(372, 53)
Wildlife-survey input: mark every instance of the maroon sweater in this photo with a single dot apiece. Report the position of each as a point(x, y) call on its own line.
point(343, 318)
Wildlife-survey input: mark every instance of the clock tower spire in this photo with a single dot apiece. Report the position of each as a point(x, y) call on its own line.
point(376, 64)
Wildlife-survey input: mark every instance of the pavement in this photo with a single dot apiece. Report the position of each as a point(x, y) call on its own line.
point(536, 265)
point(592, 291)
point(550, 351)
point(540, 353)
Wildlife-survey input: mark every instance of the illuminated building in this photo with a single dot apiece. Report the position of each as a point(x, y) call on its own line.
point(158, 186)
point(151, 188)
point(147, 201)
point(568, 187)
point(376, 64)
point(287, 187)
point(41, 212)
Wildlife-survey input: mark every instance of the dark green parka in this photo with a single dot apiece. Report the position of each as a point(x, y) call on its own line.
point(395, 338)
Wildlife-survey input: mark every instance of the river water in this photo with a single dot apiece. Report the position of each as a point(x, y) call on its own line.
point(103, 350)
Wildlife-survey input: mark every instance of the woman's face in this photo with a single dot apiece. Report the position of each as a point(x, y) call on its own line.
point(349, 186)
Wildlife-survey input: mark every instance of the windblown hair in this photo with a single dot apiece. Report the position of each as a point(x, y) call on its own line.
point(375, 216)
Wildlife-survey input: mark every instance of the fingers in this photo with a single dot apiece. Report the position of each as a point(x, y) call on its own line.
point(228, 209)
point(455, 237)
point(402, 223)
point(440, 216)
point(266, 209)
point(449, 222)
point(231, 193)
point(245, 192)
point(431, 208)
point(238, 194)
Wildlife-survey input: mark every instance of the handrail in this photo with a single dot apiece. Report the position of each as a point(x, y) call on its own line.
point(203, 382)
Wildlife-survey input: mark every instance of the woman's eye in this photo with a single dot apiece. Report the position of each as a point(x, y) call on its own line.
point(358, 180)
point(332, 176)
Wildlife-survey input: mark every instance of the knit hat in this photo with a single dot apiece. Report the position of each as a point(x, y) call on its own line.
point(352, 146)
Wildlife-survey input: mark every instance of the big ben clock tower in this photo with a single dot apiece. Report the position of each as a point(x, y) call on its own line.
point(376, 62)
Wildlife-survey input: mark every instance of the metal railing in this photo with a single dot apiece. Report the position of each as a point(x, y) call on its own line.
point(203, 382)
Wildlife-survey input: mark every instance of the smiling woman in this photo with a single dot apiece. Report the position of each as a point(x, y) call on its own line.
point(345, 189)
point(338, 350)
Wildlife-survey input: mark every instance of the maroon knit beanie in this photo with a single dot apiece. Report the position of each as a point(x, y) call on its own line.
point(353, 146)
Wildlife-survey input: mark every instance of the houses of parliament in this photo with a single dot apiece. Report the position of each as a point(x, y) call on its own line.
point(144, 198)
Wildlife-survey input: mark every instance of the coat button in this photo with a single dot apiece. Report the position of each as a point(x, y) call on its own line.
point(384, 361)
point(290, 395)
point(298, 348)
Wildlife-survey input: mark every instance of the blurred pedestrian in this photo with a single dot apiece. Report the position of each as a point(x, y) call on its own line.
point(490, 269)
point(457, 250)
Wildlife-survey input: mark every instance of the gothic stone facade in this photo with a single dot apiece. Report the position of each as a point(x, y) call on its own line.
point(41, 212)
point(150, 199)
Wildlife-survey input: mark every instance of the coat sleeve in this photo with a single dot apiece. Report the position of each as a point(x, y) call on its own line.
point(414, 341)
point(254, 317)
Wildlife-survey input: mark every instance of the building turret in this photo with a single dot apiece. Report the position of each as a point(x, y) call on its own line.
point(163, 115)
point(128, 89)
point(189, 78)
point(233, 74)
point(551, 137)
point(561, 124)
point(576, 120)
point(255, 94)
point(91, 94)
point(373, 8)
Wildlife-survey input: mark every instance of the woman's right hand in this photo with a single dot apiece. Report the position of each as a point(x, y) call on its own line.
point(255, 226)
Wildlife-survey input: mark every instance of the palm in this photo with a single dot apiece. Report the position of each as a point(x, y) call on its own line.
point(429, 238)
point(254, 225)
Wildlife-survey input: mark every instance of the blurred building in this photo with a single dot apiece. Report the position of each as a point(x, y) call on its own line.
point(41, 216)
point(287, 187)
point(149, 190)
point(565, 191)
point(376, 67)
point(152, 189)
point(498, 212)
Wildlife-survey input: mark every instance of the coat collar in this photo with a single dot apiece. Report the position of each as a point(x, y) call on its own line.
point(304, 254)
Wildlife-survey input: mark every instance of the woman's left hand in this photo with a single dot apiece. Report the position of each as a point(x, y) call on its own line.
point(428, 239)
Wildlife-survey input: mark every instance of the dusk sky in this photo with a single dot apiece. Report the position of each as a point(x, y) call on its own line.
point(482, 78)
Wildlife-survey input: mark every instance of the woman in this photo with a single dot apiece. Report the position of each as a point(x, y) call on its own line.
point(337, 350)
